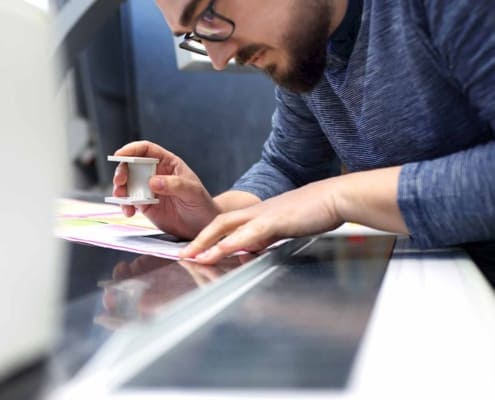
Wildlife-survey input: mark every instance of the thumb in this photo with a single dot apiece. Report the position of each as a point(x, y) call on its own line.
point(172, 185)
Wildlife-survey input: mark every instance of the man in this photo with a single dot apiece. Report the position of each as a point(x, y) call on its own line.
point(401, 92)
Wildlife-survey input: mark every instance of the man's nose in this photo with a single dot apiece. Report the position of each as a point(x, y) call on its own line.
point(220, 53)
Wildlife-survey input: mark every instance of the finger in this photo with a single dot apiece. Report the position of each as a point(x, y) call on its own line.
point(119, 191)
point(211, 256)
point(143, 148)
point(169, 162)
point(143, 208)
point(172, 185)
point(222, 225)
point(253, 236)
point(120, 188)
point(120, 175)
point(128, 211)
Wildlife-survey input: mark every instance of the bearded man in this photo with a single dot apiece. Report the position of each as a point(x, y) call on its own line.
point(399, 92)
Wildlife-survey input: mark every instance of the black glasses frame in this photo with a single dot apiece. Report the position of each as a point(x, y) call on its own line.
point(196, 37)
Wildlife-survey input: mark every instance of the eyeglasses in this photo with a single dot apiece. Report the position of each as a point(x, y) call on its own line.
point(209, 26)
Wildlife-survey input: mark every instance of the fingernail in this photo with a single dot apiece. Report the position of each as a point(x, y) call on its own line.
point(185, 251)
point(205, 254)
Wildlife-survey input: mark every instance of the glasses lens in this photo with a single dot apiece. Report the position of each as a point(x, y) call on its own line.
point(211, 27)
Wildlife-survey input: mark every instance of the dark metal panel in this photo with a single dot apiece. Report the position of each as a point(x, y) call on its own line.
point(299, 328)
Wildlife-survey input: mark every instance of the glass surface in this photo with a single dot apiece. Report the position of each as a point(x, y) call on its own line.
point(108, 289)
point(299, 328)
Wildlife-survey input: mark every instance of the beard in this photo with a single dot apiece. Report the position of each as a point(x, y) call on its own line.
point(306, 43)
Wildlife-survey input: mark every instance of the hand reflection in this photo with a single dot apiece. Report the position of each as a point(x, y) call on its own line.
point(146, 285)
point(204, 274)
point(139, 266)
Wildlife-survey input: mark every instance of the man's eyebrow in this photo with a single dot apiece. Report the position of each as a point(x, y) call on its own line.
point(188, 13)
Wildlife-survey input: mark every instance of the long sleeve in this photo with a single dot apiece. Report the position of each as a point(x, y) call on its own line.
point(451, 200)
point(296, 152)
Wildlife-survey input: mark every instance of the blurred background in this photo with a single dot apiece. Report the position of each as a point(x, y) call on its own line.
point(124, 85)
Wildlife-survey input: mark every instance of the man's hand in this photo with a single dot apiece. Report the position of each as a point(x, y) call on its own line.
point(185, 205)
point(368, 198)
point(304, 211)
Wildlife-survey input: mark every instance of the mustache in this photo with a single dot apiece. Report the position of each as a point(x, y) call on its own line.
point(246, 53)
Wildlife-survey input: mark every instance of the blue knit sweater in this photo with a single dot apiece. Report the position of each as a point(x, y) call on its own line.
point(417, 90)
